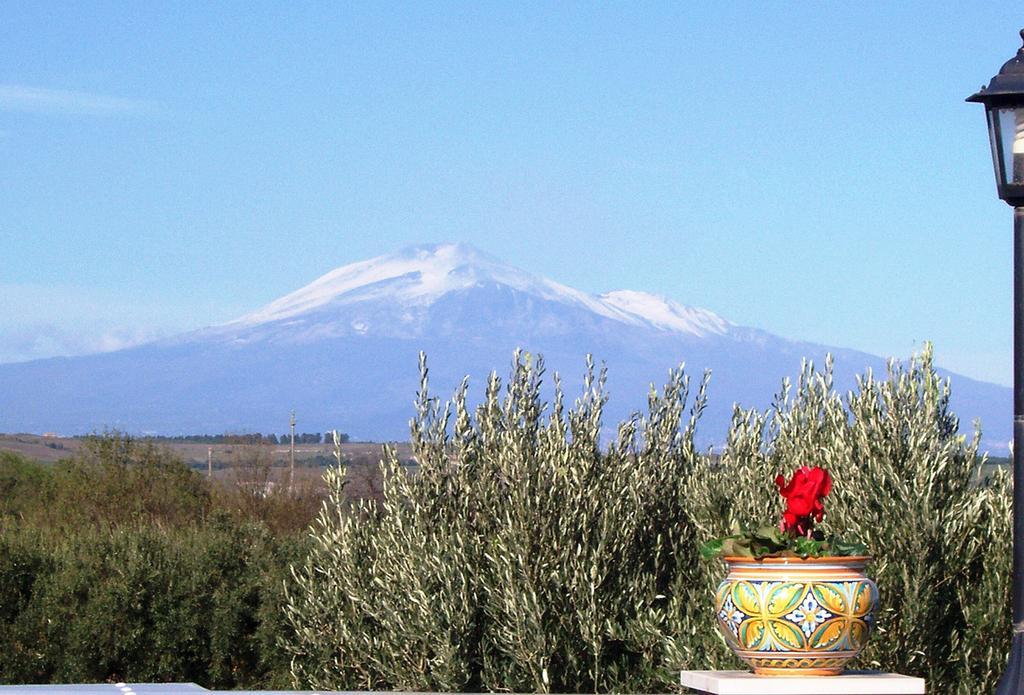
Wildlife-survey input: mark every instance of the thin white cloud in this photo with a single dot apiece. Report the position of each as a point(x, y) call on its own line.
point(53, 320)
point(49, 340)
point(26, 99)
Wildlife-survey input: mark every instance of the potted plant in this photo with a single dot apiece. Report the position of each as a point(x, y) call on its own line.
point(795, 601)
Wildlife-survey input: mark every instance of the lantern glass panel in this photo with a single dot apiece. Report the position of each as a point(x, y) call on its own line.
point(994, 142)
point(1008, 139)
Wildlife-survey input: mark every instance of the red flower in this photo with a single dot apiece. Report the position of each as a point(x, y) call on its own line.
point(804, 493)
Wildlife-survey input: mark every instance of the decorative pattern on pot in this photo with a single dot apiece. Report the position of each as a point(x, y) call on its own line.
point(792, 616)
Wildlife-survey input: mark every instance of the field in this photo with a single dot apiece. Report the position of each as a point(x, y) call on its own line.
point(48, 449)
point(250, 466)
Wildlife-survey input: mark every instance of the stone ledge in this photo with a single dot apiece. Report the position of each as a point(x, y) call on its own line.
point(144, 689)
point(850, 683)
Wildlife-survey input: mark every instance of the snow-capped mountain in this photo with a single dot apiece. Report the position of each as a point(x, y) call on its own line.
point(394, 295)
point(342, 351)
point(417, 277)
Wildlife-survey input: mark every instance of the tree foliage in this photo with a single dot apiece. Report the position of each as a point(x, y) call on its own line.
point(124, 564)
point(526, 555)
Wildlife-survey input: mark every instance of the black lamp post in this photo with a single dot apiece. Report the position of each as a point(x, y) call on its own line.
point(1004, 107)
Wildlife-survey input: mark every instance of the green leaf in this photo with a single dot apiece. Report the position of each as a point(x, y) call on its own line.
point(737, 546)
point(808, 547)
point(846, 548)
point(712, 548)
point(771, 534)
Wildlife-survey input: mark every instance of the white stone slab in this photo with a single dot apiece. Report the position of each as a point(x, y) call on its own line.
point(850, 683)
point(105, 689)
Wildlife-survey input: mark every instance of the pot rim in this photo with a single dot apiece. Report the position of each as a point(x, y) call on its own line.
point(823, 560)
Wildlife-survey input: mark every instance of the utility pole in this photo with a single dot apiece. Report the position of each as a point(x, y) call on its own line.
point(291, 457)
point(209, 462)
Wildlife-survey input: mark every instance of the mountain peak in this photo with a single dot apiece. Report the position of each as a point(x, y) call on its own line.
point(415, 275)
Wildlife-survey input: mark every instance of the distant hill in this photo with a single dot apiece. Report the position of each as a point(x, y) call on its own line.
point(342, 352)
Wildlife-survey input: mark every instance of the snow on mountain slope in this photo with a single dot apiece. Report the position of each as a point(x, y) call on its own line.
point(418, 276)
point(415, 275)
point(666, 314)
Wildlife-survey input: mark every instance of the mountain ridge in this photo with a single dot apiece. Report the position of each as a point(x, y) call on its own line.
point(342, 349)
point(419, 275)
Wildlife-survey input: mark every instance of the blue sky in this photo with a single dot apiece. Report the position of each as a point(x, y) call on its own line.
point(810, 169)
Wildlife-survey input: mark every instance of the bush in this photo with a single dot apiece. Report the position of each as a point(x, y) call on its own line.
point(113, 479)
point(24, 485)
point(116, 565)
point(143, 604)
point(526, 556)
point(905, 484)
point(521, 556)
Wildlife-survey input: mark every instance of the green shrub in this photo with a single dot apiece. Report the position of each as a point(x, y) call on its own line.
point(121, 563)
point(906, 485)
point(521, 556)
point(24, 485)
point(112, 479)
point(24, 563)
point(143, 603)
point(115, 479)
point(526, 556)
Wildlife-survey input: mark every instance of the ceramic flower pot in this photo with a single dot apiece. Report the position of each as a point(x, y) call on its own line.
point(793, 617)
